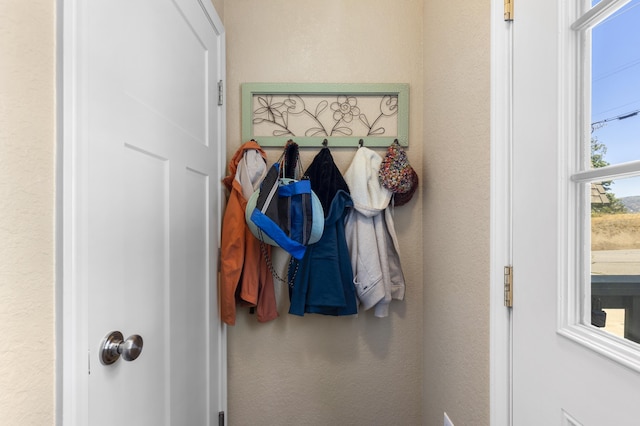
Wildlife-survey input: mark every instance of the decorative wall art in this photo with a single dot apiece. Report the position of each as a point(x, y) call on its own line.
point(343, 115)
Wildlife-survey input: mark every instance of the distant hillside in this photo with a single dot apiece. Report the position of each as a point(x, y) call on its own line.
point(631, 203)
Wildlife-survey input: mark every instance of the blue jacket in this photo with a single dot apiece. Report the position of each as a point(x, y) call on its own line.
point(323, 282)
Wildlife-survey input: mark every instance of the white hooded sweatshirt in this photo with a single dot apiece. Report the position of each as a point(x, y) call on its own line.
point(371, 236)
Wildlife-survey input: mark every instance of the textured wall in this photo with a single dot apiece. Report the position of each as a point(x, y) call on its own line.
point(320, 370)
point(456, 211)
point(26, 212)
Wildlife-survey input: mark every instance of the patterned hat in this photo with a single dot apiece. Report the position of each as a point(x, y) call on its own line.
point(402, 198)
point(396, 174)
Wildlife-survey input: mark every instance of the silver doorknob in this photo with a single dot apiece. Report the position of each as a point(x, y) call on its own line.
point(113, 346)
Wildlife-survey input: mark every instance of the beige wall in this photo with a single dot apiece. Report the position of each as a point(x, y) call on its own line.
point(320, 370)
point(432, 354)
point(449, 144)
point(27, 147)
point(456, 211)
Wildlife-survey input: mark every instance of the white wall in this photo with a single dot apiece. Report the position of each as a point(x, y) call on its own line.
point(320, 370)
point(27, 146)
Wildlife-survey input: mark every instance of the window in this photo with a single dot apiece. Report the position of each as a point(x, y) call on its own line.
point(603, 192)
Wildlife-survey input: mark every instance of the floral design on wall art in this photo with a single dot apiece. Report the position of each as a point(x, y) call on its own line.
point(325, 115)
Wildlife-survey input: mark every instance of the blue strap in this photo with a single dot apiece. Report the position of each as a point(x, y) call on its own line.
point(270, 228)
point(295, 188)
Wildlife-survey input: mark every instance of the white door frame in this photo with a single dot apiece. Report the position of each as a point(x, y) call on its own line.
point(500, 227)
point(72, 298)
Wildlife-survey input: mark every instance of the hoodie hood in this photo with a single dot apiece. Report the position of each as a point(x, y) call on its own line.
point(368, 196)
point(247, 167)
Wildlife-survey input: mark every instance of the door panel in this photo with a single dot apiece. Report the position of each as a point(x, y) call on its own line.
point(189, 305)
point(149, 151)
point(560, 375)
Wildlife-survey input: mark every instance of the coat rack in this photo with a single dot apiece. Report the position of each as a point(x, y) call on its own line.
point(340, 115)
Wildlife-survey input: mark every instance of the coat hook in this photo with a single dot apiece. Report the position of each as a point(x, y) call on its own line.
point(361, 143)
point(325, 143)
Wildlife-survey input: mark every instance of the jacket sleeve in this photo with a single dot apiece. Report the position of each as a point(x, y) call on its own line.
point(232, 246)
point(396, 276)
point(365, 259)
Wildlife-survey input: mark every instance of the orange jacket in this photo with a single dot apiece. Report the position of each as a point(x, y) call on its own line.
point(244, 276)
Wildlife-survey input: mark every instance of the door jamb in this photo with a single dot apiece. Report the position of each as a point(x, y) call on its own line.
point(72, 381)
point(500, 232)
point(58, 228)
point(72, 378)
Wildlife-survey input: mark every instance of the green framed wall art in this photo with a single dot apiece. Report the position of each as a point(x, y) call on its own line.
point(343, 115)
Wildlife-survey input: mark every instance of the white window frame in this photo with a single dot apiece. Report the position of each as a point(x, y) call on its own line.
point(574, 297)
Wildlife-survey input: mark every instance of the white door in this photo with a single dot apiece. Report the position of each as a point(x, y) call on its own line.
point(565, 370)
point(143, 158)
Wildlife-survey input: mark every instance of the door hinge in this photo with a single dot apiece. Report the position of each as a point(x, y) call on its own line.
point(508, 10)
point(220, 93)
point(221, 418)
point(508, 286)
